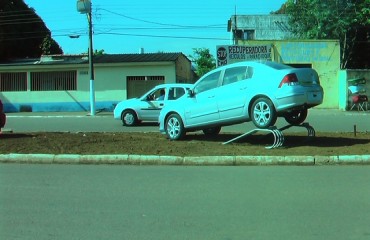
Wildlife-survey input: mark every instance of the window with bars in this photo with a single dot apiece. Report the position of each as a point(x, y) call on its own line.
point(54, 81)
point(138, 85)
point(143, 78)
point(13, 81)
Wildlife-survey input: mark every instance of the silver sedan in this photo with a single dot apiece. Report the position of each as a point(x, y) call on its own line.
point(241, 92)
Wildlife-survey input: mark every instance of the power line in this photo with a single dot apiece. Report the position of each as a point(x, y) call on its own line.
point(156, 23)
point(99, 28)
point(164, 36)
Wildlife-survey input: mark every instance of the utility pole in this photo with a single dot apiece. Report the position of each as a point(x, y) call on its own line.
point(84, 6)
point(236, 29)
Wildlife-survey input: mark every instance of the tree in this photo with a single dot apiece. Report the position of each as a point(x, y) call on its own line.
point(23, 33)
point(49, 46)
point(346, 20)
point(203, 60)
point(99, 53)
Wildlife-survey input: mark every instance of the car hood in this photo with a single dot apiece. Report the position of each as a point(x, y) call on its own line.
point(129, 103)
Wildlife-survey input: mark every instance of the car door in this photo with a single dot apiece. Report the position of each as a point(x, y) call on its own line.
point(152, 103)
point(202, 108)
point(233, 93)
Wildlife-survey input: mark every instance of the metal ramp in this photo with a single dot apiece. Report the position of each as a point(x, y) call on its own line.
point(277, 134)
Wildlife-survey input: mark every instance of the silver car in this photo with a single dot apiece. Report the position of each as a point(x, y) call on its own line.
point(240, 92)
point(148, 106)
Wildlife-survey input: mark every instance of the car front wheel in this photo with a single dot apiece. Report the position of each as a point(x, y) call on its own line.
point(174, 127)
point(129, 118)
point(263, 113)
point(296, 117)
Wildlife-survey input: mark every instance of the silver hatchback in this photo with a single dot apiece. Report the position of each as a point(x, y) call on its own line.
point(240, 92)
point(147, 107)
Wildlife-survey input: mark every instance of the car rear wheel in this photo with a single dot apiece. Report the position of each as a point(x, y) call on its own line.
point(213, 131)
point(296, 117)
point(263, 113)
point(174, 127)
point(129, 118)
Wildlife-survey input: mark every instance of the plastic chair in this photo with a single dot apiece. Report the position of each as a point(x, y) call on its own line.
point(360, 101)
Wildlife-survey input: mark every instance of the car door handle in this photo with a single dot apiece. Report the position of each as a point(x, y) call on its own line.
point(243, 88)
point(211, 96)
point(161, 104)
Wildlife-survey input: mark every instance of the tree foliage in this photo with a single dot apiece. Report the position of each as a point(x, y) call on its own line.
point(99, 52)
point(23, 34)
point(49, 46)
point(346, 20)
point(203, 60)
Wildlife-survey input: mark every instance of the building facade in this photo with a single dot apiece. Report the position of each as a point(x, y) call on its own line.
point(62, 83)
point(268, 37)
point(259, 27)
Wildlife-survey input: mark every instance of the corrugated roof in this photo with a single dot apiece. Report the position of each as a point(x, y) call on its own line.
point(144, 57)
point(105, 58)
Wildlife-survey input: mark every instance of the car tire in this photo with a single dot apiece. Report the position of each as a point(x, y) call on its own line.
point(263, 113)
point(174, 127)
point(212, 131)
point(296, 117)
point(129, 118)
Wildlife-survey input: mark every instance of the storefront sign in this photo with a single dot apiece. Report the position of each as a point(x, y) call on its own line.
point(234, 53)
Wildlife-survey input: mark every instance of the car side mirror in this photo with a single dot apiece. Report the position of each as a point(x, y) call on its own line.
point(191, 93)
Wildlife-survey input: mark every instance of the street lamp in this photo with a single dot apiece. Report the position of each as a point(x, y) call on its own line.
point(84, 7)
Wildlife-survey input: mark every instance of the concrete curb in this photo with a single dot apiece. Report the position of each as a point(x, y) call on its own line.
point(186, 161)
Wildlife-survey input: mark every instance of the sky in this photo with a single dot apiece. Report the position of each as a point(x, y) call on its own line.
point(156, 26)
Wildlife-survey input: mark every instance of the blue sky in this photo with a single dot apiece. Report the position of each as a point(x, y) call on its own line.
point(161, 25)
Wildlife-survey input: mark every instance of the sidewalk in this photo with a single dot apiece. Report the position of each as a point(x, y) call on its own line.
point(58, 114)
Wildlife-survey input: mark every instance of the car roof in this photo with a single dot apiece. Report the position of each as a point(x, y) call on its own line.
point(262, 63)
point(270, 64)
point(174, 85)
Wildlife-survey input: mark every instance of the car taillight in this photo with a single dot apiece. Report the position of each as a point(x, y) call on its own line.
point(289, 79)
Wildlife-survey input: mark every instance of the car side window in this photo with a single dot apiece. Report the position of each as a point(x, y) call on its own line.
point(175, 93)
point(237, 74)
point(207, 83)
point(157, 95)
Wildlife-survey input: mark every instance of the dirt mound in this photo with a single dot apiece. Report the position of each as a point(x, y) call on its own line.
point(195, 144)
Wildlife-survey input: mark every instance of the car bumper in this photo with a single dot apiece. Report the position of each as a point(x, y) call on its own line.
point(302, 97)
point(2, 120)
point(117, 113)
point(117, 116)
point(161, 120)
point(161, 127)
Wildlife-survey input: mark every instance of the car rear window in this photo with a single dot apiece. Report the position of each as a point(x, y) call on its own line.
point(277, 66)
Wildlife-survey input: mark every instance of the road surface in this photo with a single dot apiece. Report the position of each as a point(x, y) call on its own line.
point(163, 202)
point(322, 120)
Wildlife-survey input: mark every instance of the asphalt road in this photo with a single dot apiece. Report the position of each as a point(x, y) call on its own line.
point(321, 119)
point(152, 202)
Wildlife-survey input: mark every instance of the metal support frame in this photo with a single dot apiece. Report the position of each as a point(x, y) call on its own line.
point(277, 133)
